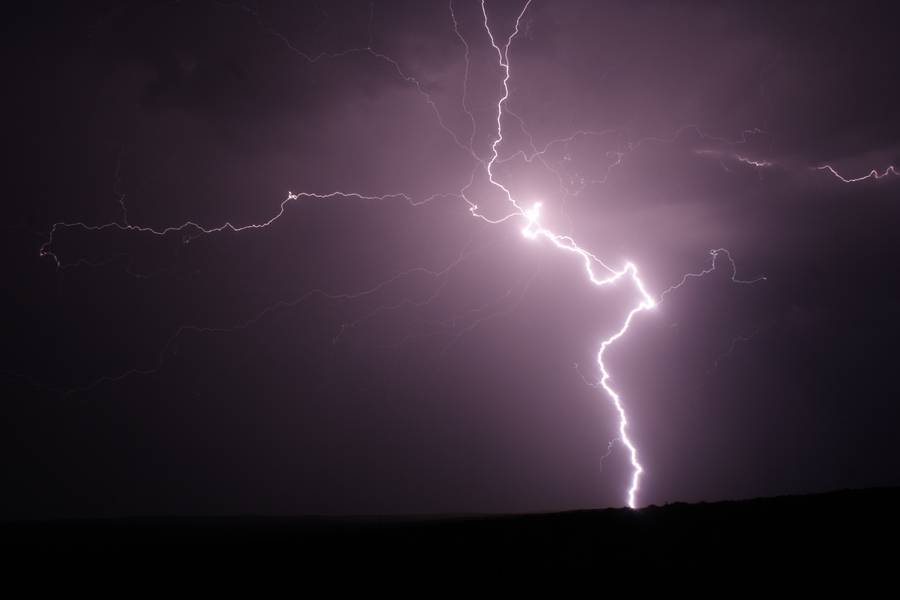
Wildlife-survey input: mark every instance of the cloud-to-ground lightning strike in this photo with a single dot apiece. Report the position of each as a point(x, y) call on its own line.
point(597, 272)
point(534, 230)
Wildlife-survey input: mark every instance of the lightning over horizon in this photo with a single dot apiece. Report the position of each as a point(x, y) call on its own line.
point(532, 230)
point(508, 159)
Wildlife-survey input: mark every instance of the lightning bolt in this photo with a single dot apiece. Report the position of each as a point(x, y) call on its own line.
point(534, 230)
point(192, 229)
point(596, 271)
point(873, 174)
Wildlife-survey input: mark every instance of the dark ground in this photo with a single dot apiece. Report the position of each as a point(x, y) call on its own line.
point(825, 535)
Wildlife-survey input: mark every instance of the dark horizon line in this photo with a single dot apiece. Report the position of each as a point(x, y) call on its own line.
point(414, 517)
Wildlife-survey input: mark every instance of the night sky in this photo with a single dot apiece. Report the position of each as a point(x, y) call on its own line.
point(380, 349)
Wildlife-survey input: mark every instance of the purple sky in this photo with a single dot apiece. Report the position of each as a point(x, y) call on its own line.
point(385, 354)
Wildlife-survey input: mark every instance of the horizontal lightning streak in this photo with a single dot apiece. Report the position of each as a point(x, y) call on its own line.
point(873, 174)
point(198, 229)
point(533, 230)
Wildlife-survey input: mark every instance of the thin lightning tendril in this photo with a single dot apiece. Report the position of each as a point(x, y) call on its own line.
point(873, 174)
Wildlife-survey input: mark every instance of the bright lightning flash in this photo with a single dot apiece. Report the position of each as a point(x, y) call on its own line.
point(534, 230)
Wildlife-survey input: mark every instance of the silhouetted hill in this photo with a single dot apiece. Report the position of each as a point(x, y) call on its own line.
point(829, 532)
